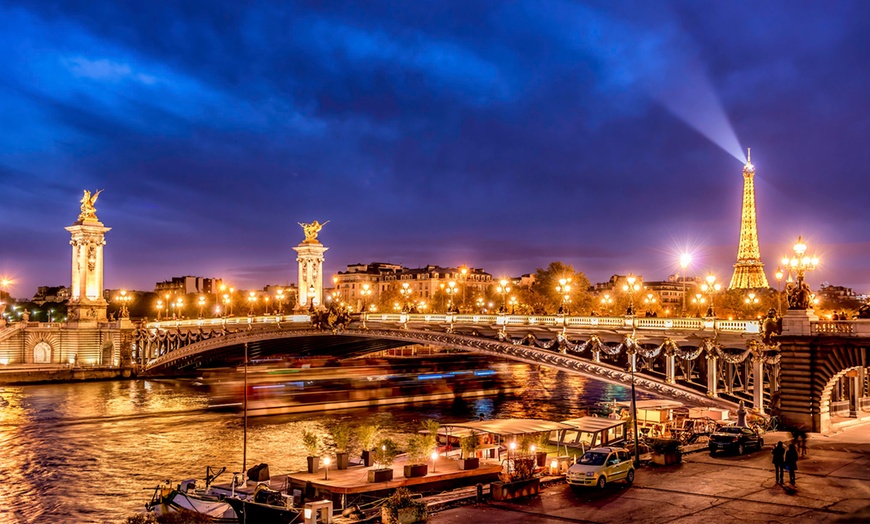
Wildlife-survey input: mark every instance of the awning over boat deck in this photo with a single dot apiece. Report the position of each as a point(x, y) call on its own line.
point(511, 426)
point(653, 404)
point(593, 424)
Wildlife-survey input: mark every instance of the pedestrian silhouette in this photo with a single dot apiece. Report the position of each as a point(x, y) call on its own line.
point(791, 458)
point(778, 461)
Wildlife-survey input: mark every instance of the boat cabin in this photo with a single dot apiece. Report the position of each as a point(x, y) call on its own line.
point(654, 417)
point(590, 432)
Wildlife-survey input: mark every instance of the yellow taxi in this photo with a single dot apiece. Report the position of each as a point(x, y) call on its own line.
point(599, 466)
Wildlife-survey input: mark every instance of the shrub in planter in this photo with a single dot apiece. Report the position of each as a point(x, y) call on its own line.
point(417, 457)
point(402, 508)
point(384, 456)
point(367, 435)
point(341, 436)
point(468, 447)
point(311, 442)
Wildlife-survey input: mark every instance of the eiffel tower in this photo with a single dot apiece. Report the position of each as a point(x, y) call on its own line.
point(749, 270)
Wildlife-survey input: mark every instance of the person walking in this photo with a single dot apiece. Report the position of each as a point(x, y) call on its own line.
point(778, 461)
point(791, 458)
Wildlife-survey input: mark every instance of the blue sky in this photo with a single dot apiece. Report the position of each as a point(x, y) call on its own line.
point(502, 135)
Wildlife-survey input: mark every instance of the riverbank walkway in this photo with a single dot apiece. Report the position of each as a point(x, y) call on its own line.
point(833, 485)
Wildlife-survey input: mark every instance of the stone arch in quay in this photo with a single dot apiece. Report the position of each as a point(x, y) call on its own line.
point(822, 378)
point(42, 353)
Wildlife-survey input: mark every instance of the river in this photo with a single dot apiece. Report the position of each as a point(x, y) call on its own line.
point(92, 452)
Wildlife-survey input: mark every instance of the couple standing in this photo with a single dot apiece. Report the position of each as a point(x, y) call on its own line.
point(784, 459)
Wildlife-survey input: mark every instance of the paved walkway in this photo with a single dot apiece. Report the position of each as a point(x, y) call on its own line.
point(833, 483)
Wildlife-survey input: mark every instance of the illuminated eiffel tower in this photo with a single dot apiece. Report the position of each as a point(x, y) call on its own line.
point(748, 271)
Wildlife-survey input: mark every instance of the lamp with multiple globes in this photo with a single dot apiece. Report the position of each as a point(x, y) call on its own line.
point(513, 302)
point(504, 289)
point(798, 265)
point(405, 291)
point(564, 291)
point(698, 300)
point(201, 303)
point(252, 300)
point(751, 301)
point(631, 286)
point(710, 287)
point(159, 308)
point(606, 303)
point(451, 292)
point(778, 275)
point(365, 292)
point(279, 295)
point(124, 299)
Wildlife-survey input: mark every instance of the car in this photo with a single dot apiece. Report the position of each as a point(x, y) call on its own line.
point(599, 466)
point(734, 438)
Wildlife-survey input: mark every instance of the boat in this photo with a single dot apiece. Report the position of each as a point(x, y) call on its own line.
point(266, 506)
point(186, 497)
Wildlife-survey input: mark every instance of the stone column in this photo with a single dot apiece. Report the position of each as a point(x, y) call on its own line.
point(670, 369)
point(87, 305)
point(310, 273)
point(712, 376)
point(758, 383)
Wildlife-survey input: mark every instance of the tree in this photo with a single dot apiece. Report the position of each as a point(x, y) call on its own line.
point(542, 296)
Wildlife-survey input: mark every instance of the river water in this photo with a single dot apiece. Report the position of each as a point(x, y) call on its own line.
point(92, 452)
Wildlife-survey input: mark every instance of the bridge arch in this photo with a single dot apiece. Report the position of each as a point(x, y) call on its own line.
point(367, 340)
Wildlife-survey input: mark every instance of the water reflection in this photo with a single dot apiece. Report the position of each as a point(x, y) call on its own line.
point(86, 452)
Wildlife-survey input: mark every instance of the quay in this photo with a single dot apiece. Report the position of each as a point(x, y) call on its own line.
point(29, 374)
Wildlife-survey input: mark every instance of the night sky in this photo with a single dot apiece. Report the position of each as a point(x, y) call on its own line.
point(502, 135)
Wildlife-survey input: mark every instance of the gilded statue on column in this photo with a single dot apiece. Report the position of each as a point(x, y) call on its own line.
point(311, 231)
point(88, 210)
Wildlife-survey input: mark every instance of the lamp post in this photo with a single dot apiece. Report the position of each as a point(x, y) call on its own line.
point(699, 299)
point(179, 306)
point(326, 462)
point(159, 308)
point(464, 271)
point(434, 458)
point(650, 301)
point(606, 302)
point(564, 290)
point(480, 303)
point(311, 298)
point(779, 274)
point(710, 287)
point(201, 305)
point(685, 260)
point(631, 286)
point(800, 263)
point(451, 292)
point(123, 298)
point(405, 291)
point(365, 292)
point(252, 299)
point(632, 361)
point(504, 289)
point(751, 299)
point(280, 295)
point(513, 302)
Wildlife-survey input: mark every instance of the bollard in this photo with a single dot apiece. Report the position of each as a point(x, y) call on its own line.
point(479, 493)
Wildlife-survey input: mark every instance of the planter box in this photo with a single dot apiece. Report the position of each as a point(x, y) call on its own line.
point(469, 463)
point(666, 459)
point(416, 470)
point(313, 464)
point(516, 490)
point(341, 460)
point(368, 458)
point(406, 516)
point(541, 459)
point(380, 475)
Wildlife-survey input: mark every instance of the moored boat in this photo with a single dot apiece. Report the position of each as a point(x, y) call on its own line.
point(185, 497)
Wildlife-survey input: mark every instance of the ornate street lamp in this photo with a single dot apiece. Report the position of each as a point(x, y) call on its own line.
point(750, 300)
point(280, 296)
point(124, 298)
point(564, 290)
point(201, 303)
point(252, 299)
point(699, 299)
point(365, 292)
point(513, 302)
point(504, 289)
point(159, 308)
point(405, 291)
point(464, 271)
point(685, 260)
point(631, 287)
point(710, 287)
point(779, 274)
point(451, 291)
point(799, 295)
point(606, 302)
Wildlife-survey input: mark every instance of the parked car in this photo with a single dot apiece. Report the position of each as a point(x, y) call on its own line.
point(599, 466)
point(735, 438)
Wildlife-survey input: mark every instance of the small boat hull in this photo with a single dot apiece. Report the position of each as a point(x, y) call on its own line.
point(256, 513)
point(174, 501)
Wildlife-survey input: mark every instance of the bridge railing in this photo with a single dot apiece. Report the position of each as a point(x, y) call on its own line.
point(627, 322)
point(854, 327)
